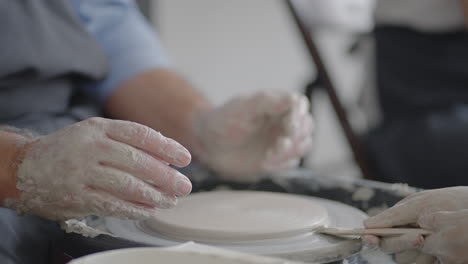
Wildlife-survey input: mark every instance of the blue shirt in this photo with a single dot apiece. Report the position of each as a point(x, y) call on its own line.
point(127, 39)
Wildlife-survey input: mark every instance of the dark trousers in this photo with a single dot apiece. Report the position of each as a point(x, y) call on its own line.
point(26, 239)
point(422, 82)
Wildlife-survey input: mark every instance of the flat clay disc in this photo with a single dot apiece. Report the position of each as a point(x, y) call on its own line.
point(236, 216)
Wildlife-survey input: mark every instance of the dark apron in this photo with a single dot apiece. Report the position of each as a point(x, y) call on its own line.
point(422, 81)
point(45, 54)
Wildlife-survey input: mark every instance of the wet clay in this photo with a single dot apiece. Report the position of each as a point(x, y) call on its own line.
point(226, 216)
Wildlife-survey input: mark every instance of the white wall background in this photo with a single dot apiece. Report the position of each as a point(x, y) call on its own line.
point(230, 47)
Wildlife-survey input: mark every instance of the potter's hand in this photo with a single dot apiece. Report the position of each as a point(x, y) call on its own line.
point(442, 211)
point(255, 134)
point(101, 167)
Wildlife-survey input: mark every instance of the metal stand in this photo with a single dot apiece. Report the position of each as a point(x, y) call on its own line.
point(323, 80)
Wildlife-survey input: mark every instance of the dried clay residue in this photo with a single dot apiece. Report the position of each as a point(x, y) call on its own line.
point(363, 194)
point(79, 226)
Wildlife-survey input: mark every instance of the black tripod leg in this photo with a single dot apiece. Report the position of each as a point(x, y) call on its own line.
point(323, 76)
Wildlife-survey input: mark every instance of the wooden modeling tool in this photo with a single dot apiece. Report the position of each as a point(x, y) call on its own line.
point(372, 231)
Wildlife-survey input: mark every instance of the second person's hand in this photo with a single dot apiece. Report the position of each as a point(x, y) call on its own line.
point(442, 211)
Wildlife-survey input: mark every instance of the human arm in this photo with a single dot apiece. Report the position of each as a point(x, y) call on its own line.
point(97, 166)
point(464, 4)
point(442, 211)
point(240, 139)
point(141, 85)
point(247, 135)
point(10, 149)
point(163, 100)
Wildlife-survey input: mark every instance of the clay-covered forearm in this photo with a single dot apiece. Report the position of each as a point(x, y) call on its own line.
point(163, 100)
point(11, 144)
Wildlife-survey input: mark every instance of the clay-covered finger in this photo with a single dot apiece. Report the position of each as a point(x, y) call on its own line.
point(447, 245)
point(147, 168)
point(272, 103)
point(126, 187)
point(100, 203)
point(292, 123)
point(299, 111)
point(148, 140)
point(426, 259)
point(439, 243)
point(105, 204)
point(412, 196)
point(370, 241)
point(401, 243)
point(407, 257)
point(398, 215)
point(292, 158)
point(287, 148)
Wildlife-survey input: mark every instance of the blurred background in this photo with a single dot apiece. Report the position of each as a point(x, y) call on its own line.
point(387, 79)
point(230, 47)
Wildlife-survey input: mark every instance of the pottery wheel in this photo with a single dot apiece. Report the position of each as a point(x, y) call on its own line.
point(263, 223)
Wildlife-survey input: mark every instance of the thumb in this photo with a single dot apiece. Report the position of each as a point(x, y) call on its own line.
point(447, 260)
point(400, 214)
point(441, 219)
point(395, 244)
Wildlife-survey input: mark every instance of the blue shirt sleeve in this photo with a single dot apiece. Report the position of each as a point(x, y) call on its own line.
point(127, 39)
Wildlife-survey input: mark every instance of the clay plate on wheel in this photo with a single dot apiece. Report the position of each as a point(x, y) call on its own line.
point(308, 246)
point(227, 216)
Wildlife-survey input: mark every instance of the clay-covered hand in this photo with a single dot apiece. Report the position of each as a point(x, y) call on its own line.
point(442, 211)
point(101, 167)
point(254, 134)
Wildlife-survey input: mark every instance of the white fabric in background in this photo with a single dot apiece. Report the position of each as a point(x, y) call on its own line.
point(423, 15)
point(348, 15)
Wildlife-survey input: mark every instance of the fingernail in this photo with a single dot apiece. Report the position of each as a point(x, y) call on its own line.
point(370, 241)
point(418, 242)
point(183, 186)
